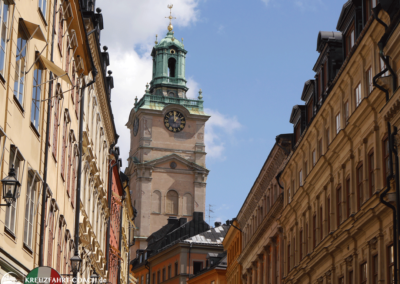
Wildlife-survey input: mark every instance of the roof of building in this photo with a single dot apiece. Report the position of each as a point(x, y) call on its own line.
point(170, 40)
point(345, 9)
point(220, 264)
point(324, 37)
point(213, 236)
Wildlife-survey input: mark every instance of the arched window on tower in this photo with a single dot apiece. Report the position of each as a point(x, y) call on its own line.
point(171, 67)
point(172, 203)
point(187, 204)
point(156, 202)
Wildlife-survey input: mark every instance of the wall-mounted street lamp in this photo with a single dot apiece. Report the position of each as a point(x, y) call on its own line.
point(76, 262)
point(10, 187)
point(94, 277)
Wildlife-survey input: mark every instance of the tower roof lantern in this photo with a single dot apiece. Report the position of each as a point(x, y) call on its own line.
point(169, 41)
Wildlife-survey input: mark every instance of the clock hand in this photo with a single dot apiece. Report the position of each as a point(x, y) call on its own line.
point(174, 116)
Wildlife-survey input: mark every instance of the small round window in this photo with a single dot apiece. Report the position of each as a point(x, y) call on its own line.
point(172, 51)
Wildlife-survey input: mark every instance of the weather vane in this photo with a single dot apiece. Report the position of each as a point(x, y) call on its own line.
point(170, 27)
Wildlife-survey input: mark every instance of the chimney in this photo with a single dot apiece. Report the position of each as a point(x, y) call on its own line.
point(217, 224)
point(172, 220)
point(182, 221)
point(198, 216)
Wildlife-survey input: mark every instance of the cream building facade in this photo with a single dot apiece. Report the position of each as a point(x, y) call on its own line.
point(30, 31)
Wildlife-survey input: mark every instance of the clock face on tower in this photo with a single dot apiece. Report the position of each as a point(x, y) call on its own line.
point(174, 121)
point(136, 126)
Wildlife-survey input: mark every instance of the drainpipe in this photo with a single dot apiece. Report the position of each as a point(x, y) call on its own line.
point(381, 198)
point(46, 148)
point(111, 151)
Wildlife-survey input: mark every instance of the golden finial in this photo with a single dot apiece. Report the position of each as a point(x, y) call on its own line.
point(170, 27)
point(156, 42)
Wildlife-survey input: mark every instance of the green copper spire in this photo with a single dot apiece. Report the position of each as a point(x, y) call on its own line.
point(169, 56)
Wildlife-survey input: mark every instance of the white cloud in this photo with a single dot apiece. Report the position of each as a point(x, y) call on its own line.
point(194, 88)
point(266, 1)
point(129, 32)
point(218, 129)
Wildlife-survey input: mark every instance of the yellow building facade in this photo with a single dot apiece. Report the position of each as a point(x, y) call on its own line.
point(51, 64)
point(335, 229)
point(233, 246)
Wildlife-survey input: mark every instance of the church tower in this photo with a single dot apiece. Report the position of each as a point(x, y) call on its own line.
point(167, 158)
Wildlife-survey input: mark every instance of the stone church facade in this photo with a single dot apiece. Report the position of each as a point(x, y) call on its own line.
point(167, 167)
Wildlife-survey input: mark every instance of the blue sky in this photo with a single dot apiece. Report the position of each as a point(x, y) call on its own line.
point(250, 58)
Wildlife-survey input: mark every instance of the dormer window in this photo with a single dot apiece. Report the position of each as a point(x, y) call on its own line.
point(310, 110)
point(350, 39)
point(145, 255)
point(141, 258)
point(369, 4)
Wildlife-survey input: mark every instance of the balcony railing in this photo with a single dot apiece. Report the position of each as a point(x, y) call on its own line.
point(161, 101)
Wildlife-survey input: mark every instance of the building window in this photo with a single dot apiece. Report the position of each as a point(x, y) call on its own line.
point(328, 137)
point(169, 271)
point(288, 257)
point(339, 206)
point(197, 266)
point(142, 280)
point(11, 211)
point(37, 88)
point(350, 39)
point(147, 278)
point(383, 67)
point(158, 277)
point(386, 160)
point(42, 7)
point(187, 204)
point(297, 132)
point(371, 177)
point(363, 273)
point(310, 107)
point(154, 278)
point(172, 202)
point(51, 236)
point(314, 158)
point(60, 32)
point(20, 65)
point(306, 240)
point(351, 277)
point(301, 178)
point(329, 214)
point(156, 202)
point(320, 147)
point(360, 185)
point(357, 93)
point(314, 230)
point(369, 80)
point(64, 144)
point(3, 34)
point(391, 268)
point(289, 196)
point(163, 275)
point(346, 111)
point(29, 208)
point(375, 265)
point(348, 193)
point(337, 119)
point(301, 244)
point(321, 225)
point(56, 124)
point(341, 280)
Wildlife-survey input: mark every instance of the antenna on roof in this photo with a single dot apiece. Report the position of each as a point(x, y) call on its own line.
point(209, 213)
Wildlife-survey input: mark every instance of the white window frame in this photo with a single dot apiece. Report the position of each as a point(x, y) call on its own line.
point(12, 209)
point(36, 96)
point(3, 34)
point(337, 120)
point(30, 205)
point(42, 4)
point(20, 69)
point(358, 94)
